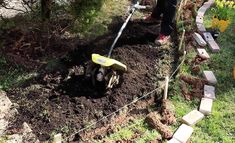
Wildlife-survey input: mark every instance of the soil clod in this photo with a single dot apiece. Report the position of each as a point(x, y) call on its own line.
point(154, 121)
point(196, 84)
point(168, 112)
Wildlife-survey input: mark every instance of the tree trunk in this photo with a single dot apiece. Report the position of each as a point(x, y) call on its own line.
point(45, 9)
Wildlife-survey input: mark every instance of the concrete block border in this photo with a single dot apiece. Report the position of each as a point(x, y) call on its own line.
point(205, 107)
point(210, 77)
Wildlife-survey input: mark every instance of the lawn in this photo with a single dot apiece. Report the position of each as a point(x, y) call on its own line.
point(220, 125)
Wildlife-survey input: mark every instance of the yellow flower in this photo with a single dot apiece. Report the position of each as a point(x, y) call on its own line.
point(227, 2)
point(230, 5)
point(221, 5)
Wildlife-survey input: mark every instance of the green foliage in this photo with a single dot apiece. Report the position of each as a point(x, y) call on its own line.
point(223, 9)
point(84, 12)
point(130, 130)
point(6, 24)
point(122, 134)
point(12, 75)
point(148, 136)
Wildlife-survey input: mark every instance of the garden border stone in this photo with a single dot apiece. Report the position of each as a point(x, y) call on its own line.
point(202, 53)
point(209, 92)
point(210, 77)
point(192, 117)
point(183, 133)
point(206, 106)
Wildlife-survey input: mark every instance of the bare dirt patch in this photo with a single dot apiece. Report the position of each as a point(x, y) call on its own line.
point(52, 102)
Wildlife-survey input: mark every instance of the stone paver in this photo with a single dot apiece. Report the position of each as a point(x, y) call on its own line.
point(199, 39)
point(209, 92)
point(207, 36)
point(213, 46)
point(173, 140)
point(206, 106)
point(192, 117)
point(201, 11)
point(201, 28)
point(208, 4)
point(211, 1)
point(183, 133)
point(202, 52)
point(199, 19)
point(210, 77)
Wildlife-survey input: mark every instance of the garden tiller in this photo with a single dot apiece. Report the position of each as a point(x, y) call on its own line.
point(108, 62)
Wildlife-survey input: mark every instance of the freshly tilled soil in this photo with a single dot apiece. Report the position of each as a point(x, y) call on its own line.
point(52, 102)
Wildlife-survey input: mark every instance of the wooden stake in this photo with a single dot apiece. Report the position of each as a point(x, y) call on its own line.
point(182, 39)
point(166, 88)
point(179, 10)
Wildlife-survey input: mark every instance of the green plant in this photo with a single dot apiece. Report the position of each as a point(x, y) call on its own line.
point(223, 9)
point(84, 12)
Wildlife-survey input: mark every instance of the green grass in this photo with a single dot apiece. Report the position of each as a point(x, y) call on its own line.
point(12, 75)
point(109, 10)
point(128, 131)
point(220, 125)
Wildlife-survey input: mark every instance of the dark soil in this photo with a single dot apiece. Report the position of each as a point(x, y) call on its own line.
point(65, 99)
point(25, 44)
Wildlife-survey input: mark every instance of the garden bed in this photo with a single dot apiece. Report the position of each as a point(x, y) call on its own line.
point(53, 103)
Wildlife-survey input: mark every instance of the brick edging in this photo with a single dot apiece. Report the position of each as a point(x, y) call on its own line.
point(205, 107)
